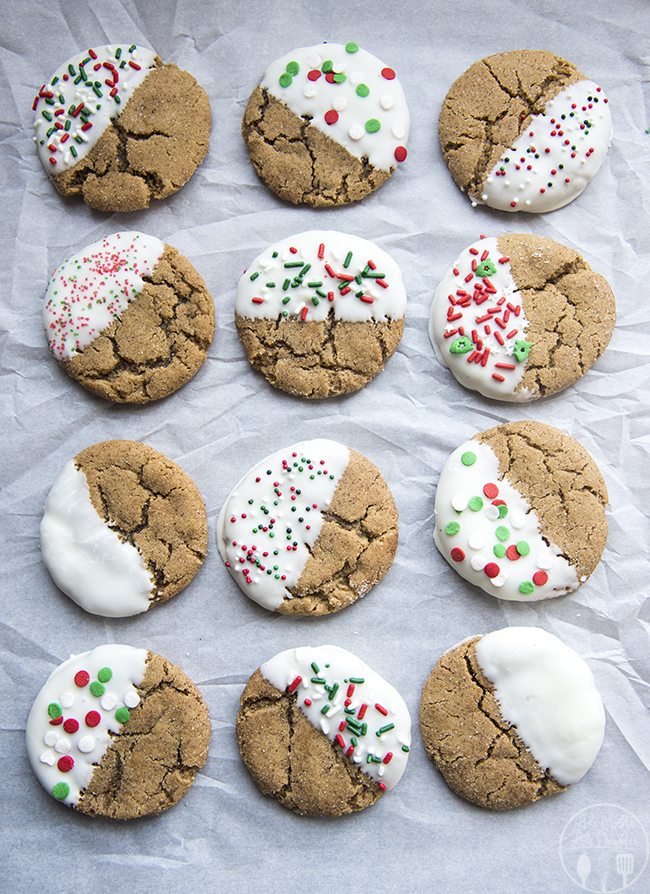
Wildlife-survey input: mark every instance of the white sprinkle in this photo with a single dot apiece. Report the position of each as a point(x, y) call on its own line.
point(499, 580)
point(459, 503)
point(62, 746)
point(131, 699)
point(309, 90)
point(50, 737)
point(314, 60)
point(492, 512)
point(387, 101)
point(478, 563)
point(398, 131)
point(66, 699)
point(517, 519)
point(86, 744)
point(340, 103)
point(476, 541)
point(355, 132)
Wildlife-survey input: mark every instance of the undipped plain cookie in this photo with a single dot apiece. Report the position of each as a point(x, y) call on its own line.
point(123, 529)
point(120, 127)
point(118, 732)
point(322, 732)
point(524, 131)
point(327, 125)
point(511, 717)
point(129, 318)
point(520, 512)
point(320, 312)
point(309, 530)
point(520, 317)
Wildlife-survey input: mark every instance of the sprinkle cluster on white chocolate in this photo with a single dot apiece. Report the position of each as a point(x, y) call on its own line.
point(349, 703)
point(478, 324)
point(310, 275)
point(490, 534)
point(556, 156)
point(82, 97)
point(349, 95)
point(84, 703)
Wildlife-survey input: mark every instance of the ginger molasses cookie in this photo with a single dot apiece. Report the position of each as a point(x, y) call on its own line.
point(320, 313)
point(124, 528)
point(120, 127)
point(118, 732)
point(511, 717)
point(129, 318)
point(520, 317)
point(327, 125)
point(322, 732)
point(310, 529)
point(524, 131)
point(520, 512)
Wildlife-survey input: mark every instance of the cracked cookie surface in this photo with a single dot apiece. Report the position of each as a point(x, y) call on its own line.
point(157, 344)
point(151, 503)
point(293, 762)
point(150, 150)
point(480, 755)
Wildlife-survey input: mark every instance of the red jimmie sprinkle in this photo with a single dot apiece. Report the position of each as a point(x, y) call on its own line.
point(382, 786)
point(381, 710)
point(340, 741)
point(388, 758)
point(294, 684)
point(361, 713)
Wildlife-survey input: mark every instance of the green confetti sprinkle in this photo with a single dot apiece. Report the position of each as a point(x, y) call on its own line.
point(362, 90)
point(292, 68)
point(104, 675)
point(61, 791)
point(285, 79)
point(351, 47)
point(503, 510)
point(526, 587)
point(373, 125)
point(502, 533)
point(523, 548)
point(452, 528)
point(476, 504)
point(499, 550)
point(97, 689)
point(339, 78)
point(54, 710)
point(468, 458)
point(122, 715)
point(327, 66)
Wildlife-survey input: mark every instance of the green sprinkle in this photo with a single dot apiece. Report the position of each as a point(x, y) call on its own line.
point(499, 550)
point(325, 709)
point(339, 78)
point(320, 680)
point(104, 674)
point(274, 255)
point(475, 504)
point(405, 748)
point(293, 68)
point(385, 729)
point(486, 268)
point(97, 689)
point(293, 263)
point(523, 548)
point(315, 301)
point(315, 284)
point(315, 667)
point(286, 284)
point(118, 53)
point(46, 115)
point(61, 791)
point(286, 299)
point(452, 528)
point(461, 345)
point(122, 715)
point(503, 510)
point(285, 79)
point(132, 48)
point(362, 90)
point(327, 66)
point(357, 680)
point(521, 350)
point(54, 710)
point(351, 47)
point(526, 587)
point(270, 285)
point(254, 276)
point(73, 151)
point(373, 125)
point(502, 533)
point(348, 258)
point(468, 458)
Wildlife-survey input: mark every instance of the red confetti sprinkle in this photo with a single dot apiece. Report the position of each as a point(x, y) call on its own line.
point(331, 116)
point(313, 75)
point(400, 153)
point(512, 553)
point(491, 491)
point(81, 678)
point(388, 73)
point(56, 721)
point(457, 554)
point(540, 578)
point(93, 718)
point(71, 725)
point(65, 763)
point(492, 569)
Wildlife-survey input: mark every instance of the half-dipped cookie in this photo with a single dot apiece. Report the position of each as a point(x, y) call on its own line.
point(327, 125)
point(321, 732)
point(129, 318)
point(320, 312)
point(520, 512)
point(511, 717)
point(124, 529)
point(310, 529)
point(120, 127)
point(520, 317)
point(118, 732)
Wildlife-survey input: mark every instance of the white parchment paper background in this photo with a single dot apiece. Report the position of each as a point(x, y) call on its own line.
point(224, 835)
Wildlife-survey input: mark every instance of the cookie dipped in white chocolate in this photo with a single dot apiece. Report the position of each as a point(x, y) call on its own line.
point(547, 692)
point(362, 714)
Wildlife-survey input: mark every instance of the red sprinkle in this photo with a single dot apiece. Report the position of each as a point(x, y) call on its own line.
point(81, 678)
point(388, 73)
point(321, 251)
point(56, 721)
point(498, 377)
point(331, 116)
point(512, 553)
point(294, 684)
point(388, 758)
point(491, 491)
point(540, 578)
point(361, 713)
point(381, 710)
point(381, 786)
point(457, 554)
point(313, 75)
point(340, 741)
point(65, 763)
point(400, 153)
point(70, 725)
point(491, 569)
point(93, 718)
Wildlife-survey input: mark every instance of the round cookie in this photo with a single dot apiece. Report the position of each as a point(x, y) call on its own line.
point(322, 732)
point(118, 732)
point(129, 318)
point(520, 512)
point(524, 131)
point(123, 529)
point(520, 317)
point(511, 717)
point(120, 127)
point(309, 530)
point(327, 125)
point(320, 312)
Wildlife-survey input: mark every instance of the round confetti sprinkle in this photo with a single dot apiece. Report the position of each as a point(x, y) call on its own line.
point(285, 79)
point(363, 90)
point(388, 73)
point(386, 102)
point(477, 563)
point(331, 116)
point(50, 737)
point(93, 718)
point(104, 675)
point(468, 458)
point(492, 569)
point(540, 578)
point(54, 710)
point(81, 679)
point(293, 68)
point(503, 510)
point(61, 791)
point(355, 132)
point(523, 548)
point(526, 587)
point(131, 699)
point(108, 701)
point(340, 78)
point(62, 745)
point(352, 47)
point(502, 533)
point(452, 528)
point(475, 504)
point(512, 553)
point(457, 554)
point(314, 74)
point(400, 153)
point(373, 125)
point(340, 103)
point(122, 715)
point(97, 689)
point(491, 491)
point(71, 725)
point(65, 763)
point(499, 550)
point(67, 699)
point(476, 541)
point(86, 744)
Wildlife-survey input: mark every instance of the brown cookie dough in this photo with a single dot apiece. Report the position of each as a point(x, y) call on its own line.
point(319, 359)
point(150, 150)
point(292, 761)
point(562, 483)
point(481, 757)
point(491, 104)
point(151, 503)
point(298, 162)
point(571, 311)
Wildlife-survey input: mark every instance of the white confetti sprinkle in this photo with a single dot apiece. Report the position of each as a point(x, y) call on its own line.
point(478, 563)
point(50, 737)
point(62, 746)
point(309, 90)
point(108, 701)
point(492, 512)
point(398, 131)
point(131, 699)
point(387, 101)
point(476, 541)
point(47, 758)
point(459, 503)
point(355, 132)
point(66, 699)
point(340, 103)
point(86, 744)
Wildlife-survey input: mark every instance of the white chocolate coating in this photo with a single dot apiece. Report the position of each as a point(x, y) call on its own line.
point(334, 686)
point(94, 287)
point(547, 692)
point(47, 742)
point(73, 110)
point(478, 324)
point(326, 284)
point(86, 559)
point(471, 522)
point(366, 110)
point(557, 155)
